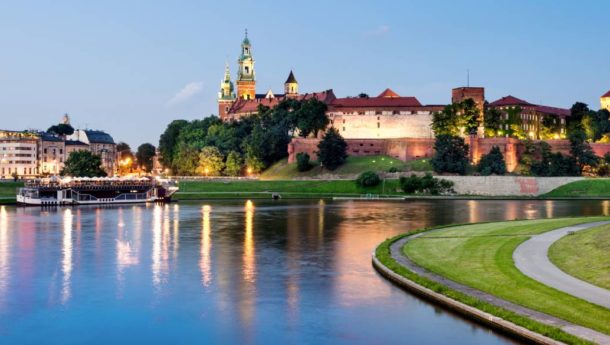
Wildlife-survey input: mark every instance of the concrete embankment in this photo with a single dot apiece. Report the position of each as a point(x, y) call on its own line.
point(507, 185)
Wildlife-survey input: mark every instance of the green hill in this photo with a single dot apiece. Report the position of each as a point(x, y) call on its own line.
point(353, 166)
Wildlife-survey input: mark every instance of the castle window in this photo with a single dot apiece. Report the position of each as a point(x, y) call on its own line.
point(378, 125)
point(361, 113)
point(247, 70)
point(344, 129)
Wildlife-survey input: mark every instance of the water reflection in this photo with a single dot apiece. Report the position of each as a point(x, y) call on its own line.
point(5, 269)
point(206, 246)
point(66, 262)
point(229, 271)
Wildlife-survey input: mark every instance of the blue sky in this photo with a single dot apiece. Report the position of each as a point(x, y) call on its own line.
point(130, 67)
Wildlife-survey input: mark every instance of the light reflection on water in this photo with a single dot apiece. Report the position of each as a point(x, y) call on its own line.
point(229, 272)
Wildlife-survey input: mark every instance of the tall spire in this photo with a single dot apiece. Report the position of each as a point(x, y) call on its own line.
point(226, 86)
point(246, 84)
point(227, 72)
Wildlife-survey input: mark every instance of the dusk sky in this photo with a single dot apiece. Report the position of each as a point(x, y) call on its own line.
point(131, 67)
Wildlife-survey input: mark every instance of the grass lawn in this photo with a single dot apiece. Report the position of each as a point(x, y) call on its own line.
point(353, 166)
point(480, 256)
point(585, 255)
point(303, 188)
point(598, 187)
point(8, 190)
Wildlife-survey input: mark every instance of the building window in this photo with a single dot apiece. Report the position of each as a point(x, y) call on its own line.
point(344, 129)
point(378, 125)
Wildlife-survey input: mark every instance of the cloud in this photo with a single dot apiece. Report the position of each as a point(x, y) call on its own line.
point(189, 90)
point(380, 31)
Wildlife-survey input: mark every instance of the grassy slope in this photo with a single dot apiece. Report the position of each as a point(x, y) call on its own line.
point(588, 187)
point(480, 256)
point(8, 191)
point(585, 255)
point(353, 165)
point(285, 188)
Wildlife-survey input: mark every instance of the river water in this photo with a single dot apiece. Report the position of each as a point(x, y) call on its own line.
point(229, 272)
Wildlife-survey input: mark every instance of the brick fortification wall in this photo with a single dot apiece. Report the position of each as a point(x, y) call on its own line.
point(413, 148)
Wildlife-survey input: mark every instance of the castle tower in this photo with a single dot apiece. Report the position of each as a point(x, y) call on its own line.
point(246, 83)
point(291, 86)
point(477, 94)
point(605, 101)
point(226, 95)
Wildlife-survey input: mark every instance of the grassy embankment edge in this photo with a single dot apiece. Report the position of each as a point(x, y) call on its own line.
point(383, 256)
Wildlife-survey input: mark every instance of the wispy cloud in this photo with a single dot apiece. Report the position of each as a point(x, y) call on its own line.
point(188, 91)
point(380, 31)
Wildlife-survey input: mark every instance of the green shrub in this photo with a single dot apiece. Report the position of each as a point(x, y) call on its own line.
point(492, 163)
point(368, 179)
point(303, 163)
point(393, 170)
point(450, 155)
point(425, 185)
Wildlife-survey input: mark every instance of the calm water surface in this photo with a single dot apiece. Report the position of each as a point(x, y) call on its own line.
point(229, 272)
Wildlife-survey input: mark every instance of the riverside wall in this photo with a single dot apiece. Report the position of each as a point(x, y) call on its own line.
point(507, 185)
point(414, 148)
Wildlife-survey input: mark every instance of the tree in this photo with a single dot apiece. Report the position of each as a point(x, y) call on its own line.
point(469, 116)
point(581, 150)
point(61, 129)
point(186, 160)
point(234, 164)
point(83, 164)
point(169, 140)
point(303, 163)
point(493, 122)
point(513, 123)
point(492, 163)
point(254, 164)
point(577, 112)
point(145, 156)
point(332, 149)
point(363, 95)
point(550, 127)
point(451, 154)
point(595, 124)
point(126, 158)
point(445, 122)
point(210, 161)
point(311, 117)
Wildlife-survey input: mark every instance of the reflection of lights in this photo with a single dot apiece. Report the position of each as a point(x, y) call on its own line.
point(249, 258)
point(156, 252)
point(4, 252)
point(206, 245)
point(66, 264)
point(606, 208)
point(473, 211)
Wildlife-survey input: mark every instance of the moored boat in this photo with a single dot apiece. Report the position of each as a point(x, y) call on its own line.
point(92, 191)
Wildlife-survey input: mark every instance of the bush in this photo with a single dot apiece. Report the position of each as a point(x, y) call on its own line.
point(303, 163)
point(425, 185)
point(451, 154)
point(368, 179)
point(393, 170)
point(492, 163)
point(332, 150)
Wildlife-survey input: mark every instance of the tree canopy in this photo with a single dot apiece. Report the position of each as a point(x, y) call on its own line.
point(61, 129)
point(451, 154)
point(332, 149)
point(145, 156)
point(83, 164)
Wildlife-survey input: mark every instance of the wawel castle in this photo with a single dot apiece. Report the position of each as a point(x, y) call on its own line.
point(385, 116)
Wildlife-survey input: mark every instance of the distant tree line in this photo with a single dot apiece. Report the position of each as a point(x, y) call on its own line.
point(213, 147)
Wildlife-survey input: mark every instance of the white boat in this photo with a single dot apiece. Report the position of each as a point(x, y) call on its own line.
point(91, 191)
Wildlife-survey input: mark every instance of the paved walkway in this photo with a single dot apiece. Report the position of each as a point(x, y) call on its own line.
point(579, 331)
point(531, 258)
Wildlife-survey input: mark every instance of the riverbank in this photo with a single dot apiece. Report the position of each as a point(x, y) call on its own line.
point(473, 266)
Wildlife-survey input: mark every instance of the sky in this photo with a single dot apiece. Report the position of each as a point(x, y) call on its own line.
point(131, 67)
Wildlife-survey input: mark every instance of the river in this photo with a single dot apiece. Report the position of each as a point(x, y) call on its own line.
point(230, 272)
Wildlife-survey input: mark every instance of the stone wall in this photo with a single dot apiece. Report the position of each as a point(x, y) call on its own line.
point(383, 125)
point(413, 148)
point(507, 185)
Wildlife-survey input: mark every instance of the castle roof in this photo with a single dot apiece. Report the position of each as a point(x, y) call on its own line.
point(607, 94)
point(243, 106)
point(75, 143)
point(291, 78)
point(386, 99)
point(388, 93)
point(511, 101)
point(98, 137)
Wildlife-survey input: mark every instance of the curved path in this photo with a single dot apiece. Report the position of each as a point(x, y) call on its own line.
point(531, 258)
point(579, 331)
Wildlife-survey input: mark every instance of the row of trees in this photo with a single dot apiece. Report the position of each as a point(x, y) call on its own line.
point(141, 160)
point(211, 146)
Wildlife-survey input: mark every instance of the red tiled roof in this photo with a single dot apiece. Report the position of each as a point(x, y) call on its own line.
point(376, 102)
point(514, 101)
point(509, 100)
point(242, 106)
point(552, 110)
point(388, 93)
point(607, 94)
